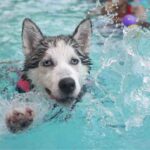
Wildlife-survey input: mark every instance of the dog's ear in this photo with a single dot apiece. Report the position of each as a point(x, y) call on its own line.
point(31, 35)
point(82, 34)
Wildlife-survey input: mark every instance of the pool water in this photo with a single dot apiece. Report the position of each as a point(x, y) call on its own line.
point(114, 114)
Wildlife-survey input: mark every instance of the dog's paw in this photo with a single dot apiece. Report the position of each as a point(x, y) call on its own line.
point(18, 120)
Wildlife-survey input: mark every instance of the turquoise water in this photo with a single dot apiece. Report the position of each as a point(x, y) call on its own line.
point(114, 114)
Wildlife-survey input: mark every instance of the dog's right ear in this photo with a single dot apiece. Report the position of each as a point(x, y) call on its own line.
point(31, 36)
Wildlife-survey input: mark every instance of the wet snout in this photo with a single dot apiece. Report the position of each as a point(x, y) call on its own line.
point(67, 86)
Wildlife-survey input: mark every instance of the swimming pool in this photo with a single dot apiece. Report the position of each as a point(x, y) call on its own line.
point(114, 114)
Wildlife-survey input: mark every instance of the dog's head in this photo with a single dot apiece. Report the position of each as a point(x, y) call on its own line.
point(57, 64)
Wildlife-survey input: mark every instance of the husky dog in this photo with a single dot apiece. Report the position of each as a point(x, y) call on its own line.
point(57, 65)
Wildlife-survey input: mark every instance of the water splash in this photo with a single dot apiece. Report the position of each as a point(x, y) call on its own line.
point(121, 93)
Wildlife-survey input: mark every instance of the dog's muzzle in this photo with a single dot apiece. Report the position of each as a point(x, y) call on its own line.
point(66, 87)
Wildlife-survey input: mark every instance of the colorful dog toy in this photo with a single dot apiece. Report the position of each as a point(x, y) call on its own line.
point(129, 20)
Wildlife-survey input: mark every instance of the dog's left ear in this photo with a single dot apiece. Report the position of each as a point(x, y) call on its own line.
point(82, 34)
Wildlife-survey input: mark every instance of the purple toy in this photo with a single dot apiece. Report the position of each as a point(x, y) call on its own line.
point(129, 20)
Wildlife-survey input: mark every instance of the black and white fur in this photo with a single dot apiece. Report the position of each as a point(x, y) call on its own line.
point(56, 65)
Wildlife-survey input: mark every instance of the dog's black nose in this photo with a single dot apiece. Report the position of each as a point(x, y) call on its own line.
point(67, 85)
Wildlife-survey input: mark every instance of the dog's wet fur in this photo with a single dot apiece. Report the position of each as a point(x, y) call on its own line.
point(57, 65)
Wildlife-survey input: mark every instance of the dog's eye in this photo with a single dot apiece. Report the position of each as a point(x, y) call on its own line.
point(74, 61)
point(48, 63)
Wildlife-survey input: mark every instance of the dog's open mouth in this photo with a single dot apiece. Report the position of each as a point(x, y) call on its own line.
point(66, 99)
point(49, 93)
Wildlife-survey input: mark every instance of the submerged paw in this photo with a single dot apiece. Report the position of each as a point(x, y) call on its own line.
point(19, 120)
